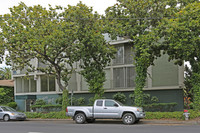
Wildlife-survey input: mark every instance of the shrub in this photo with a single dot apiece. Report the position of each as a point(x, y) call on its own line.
point(120, 97)
point(161, 107)
point(91, 101)
point(12, 105)
point(164, 115)
point(80, 101)
point(74, 101)
point(59, 100)
point(148, 99)
point(51, 115)
point(33, 115)
point(46, 108)
point(40, 102)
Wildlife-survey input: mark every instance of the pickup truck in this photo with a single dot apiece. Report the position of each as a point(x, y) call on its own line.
point(105, 109)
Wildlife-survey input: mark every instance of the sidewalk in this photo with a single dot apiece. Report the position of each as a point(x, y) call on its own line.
point(143, 121)
point(171, 122)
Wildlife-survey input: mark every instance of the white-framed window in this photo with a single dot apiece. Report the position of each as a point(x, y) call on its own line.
point(25, 84)
point(47, 83)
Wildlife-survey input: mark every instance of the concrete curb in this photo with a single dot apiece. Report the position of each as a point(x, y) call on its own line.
point(143, 121)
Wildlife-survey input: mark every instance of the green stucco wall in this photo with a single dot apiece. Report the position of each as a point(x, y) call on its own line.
point(164, 73)
point(164, 96)
point(48, 98)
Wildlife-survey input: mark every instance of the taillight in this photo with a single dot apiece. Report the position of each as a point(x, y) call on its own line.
point(66, 110)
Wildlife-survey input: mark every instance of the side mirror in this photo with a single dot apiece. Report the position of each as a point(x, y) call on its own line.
point(116, 105)
point(1, 110)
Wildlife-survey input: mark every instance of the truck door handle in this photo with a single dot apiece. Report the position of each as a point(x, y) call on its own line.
point(104, 108)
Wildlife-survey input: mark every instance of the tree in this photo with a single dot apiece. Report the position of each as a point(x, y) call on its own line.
point(137, 19)
point(182, 40)
point(96, 53)
point(57, 37)
point(5, 73)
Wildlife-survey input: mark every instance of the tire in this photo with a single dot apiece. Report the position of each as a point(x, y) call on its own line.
point(128, 119)
point(137, 120)
point(90, 120)
point(80, 118)
point(6, 118)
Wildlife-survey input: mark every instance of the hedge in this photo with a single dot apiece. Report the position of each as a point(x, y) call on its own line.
point(159, 107)
point(50, 115)
point(47, 108)
point(172, 115)
point(149, 115)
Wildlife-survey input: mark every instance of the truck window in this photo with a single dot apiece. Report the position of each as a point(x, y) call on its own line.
point(99, 103)
point(110, 103)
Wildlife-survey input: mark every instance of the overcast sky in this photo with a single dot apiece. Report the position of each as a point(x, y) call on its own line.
point(98, 5)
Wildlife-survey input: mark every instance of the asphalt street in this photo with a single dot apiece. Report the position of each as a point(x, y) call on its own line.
point(97, 127)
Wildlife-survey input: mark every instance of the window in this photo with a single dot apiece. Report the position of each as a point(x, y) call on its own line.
point(99, 103)
point(124, 77)
point(52, 83)
point(18, 85)
point(130, 77)
point(33, 84)
point(44, 83)
point(128, 54)
point(118, 77)
point(25, 84)
point(107, 83)
point(47, 83)
point(110, 103)
point(119, 57)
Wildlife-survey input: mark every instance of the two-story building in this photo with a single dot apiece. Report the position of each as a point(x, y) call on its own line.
point(165, 80)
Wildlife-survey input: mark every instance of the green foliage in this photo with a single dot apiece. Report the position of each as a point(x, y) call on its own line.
point(5, 73)
point(33, 114)
point(6, 95)
point(65, 99)
point(77, 37)
point(47, 108)
point(160, 107)
point(147, 99)
point(12, 105)
point(140, 21)
point(164, 115)
point(172, 115)
point(91, 101)
point(72, 101)
point(77, 102)
point(55, 115)
point(80, 101)
point(40, 102)
point(149, 115)
point(51, 115)
point(180, 38)
point(120, 97)
point(59, 100)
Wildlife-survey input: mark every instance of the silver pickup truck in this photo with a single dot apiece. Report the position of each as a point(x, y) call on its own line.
point(105, 109)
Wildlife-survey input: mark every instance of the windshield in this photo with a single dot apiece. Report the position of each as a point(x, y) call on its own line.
point(121, 104)
point(8, 109)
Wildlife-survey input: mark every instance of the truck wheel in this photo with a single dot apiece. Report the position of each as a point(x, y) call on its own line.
point(137, 120)
point(128, 118)
point(80, 118)
point(6, 118)
point(90, 120)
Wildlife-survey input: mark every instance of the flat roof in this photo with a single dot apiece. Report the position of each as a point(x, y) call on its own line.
point(7, 83)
